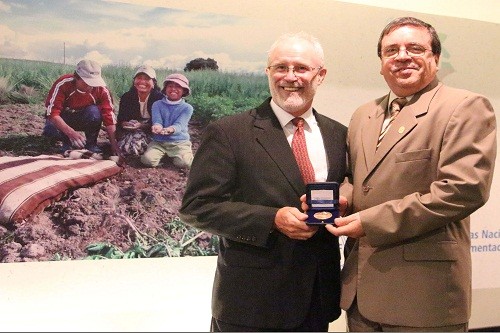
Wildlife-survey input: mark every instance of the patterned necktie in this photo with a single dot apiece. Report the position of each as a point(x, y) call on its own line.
point(396, 106)
point(299, 149)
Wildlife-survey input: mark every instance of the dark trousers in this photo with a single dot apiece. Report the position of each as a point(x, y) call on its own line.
point(87, 120)
point(314, 322)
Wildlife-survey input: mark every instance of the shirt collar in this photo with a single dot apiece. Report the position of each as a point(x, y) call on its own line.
point(285, 118)
point(173, 102)
point(393, 96)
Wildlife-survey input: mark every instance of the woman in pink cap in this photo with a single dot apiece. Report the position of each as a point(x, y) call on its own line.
point(170, 118)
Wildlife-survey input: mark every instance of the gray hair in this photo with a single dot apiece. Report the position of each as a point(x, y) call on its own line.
point(298, 36)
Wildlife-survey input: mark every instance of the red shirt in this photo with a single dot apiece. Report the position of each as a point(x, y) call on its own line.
point(63, 94)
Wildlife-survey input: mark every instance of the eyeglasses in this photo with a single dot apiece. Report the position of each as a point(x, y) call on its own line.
point(414, 50)
point(299, 70)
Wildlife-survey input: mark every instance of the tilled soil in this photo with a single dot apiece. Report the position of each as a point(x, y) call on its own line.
point(132, 211)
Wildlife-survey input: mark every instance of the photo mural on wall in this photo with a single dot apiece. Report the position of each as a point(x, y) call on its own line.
point(57, 207)
point(133, 213)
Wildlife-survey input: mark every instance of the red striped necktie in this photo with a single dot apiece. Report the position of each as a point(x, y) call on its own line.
point(299, 149)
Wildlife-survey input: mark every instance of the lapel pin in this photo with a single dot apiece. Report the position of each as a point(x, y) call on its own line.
point(401, 129)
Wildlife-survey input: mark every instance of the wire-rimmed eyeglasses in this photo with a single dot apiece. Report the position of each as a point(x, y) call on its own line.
point(414, 50)
point(298, 70)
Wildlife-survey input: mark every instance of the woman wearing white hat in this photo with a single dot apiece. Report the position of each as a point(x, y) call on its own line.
point(134, 113)
point(170, 118)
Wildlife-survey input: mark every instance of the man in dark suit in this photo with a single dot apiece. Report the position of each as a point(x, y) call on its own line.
point(409, 264)
point(274, 272)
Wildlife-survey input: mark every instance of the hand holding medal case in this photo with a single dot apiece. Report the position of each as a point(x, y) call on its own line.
point(323, 201)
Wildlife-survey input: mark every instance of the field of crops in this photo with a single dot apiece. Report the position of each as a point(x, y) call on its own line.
point(214, 93)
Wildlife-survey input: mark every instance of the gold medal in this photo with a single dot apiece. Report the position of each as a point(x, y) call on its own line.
point(323, 215)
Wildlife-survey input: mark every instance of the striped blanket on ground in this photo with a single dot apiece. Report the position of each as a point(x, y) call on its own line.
point(28, 184)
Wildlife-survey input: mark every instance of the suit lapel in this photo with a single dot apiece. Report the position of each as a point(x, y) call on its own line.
point(329, 143)
point(269, 134)
point(371, 130)
point(404, 123)
point(332, 141)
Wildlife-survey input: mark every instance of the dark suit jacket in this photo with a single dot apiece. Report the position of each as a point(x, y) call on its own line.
point(242, 173)
point(415, 194)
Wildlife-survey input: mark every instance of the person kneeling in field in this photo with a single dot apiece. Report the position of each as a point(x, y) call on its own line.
point(80, 102)
point(134, 115)
point(170, 118)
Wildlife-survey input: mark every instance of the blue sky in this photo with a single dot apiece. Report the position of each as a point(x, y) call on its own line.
point(114, 32)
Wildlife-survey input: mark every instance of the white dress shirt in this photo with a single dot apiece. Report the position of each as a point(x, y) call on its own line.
point(314, 140)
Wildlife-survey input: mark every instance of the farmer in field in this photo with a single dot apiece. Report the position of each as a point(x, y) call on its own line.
point(134, 113)
point(80, 102)
point(170, 119)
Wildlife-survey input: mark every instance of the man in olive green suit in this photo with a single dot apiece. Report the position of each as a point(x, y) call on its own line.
point(408, 266)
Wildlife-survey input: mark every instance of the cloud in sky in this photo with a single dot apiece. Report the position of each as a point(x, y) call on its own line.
point(130, 34)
